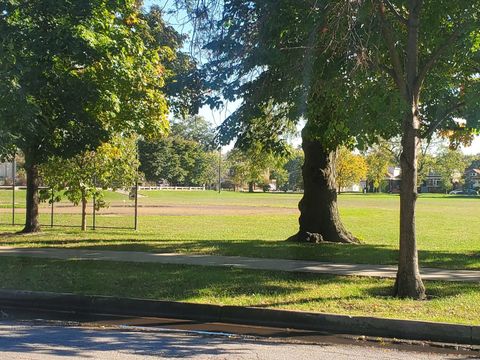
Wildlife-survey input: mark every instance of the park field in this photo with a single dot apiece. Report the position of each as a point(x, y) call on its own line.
point(206, 222)
point(256, 225)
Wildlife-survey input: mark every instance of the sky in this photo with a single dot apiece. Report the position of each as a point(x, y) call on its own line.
point(216, 117)
point(474, 149)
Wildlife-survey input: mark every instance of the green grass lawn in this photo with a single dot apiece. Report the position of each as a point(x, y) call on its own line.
point(448, 229)
point(448, 236)
point(284, 200)
point(452, 302)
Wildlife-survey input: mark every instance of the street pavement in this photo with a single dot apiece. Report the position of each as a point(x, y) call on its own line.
point(381, 271)
point(52, 342)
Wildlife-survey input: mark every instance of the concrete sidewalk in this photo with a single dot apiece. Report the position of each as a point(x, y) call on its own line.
point(381, 271)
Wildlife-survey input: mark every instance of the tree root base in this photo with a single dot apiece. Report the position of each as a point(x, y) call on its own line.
point(409, 286)
point(316, 238)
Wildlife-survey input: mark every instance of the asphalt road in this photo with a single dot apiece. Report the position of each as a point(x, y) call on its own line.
point(52, 342)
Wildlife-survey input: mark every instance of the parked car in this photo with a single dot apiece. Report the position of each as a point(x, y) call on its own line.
point(464, 192)
point(456, 192)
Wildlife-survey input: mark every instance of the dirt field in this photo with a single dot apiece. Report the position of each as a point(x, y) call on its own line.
point(165, 210)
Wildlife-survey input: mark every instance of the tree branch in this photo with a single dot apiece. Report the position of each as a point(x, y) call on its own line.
point(397, 68)
point(434, 126)
point(435, 56)
point(402, 19)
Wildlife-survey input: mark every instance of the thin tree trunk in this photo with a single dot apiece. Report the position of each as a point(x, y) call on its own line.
point(32, 224)
point(84, 211)
point(409, 283)
point(250, 187)
point(319, 217)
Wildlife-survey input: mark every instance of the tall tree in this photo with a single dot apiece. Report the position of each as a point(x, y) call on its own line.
point(450, 165)
point(351, 169)
point(185, 157)
point(195, 128)
point(73, 74)
point(430, 51)
point(288, 61)
point(378, 159)
point(180, 161)
point(252, 166)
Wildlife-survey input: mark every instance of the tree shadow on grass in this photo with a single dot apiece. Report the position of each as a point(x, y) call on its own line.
point(380, 292)
point(340, 253)
point(144, 280)
point(187, 283)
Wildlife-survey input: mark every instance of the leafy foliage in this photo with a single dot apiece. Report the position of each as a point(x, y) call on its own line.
point(195, 128)
point(253, 167)
point(351, 168)
point(378, 159)
point(450, 165)
point(185, 83)
point(113, 165)
point(294, 168)
point(184, 157)
point(74, 73)
point(287, 61)
point(448, 58)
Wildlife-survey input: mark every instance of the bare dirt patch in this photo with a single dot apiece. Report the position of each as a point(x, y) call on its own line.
point(170, 210)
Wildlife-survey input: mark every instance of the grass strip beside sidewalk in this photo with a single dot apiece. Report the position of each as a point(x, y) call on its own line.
point(448, 302)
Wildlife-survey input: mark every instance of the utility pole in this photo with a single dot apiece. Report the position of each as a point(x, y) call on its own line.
point(52, 215)
point(136, 206)
point(14, 175)
point(137, 180)
point(94, 203)
point(219, 170)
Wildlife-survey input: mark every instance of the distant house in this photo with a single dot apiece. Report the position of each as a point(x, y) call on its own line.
point(5, 173)
point(472, 179)
point(389, 184)
point(355, 187)
point(432, 183)
point(393, 179)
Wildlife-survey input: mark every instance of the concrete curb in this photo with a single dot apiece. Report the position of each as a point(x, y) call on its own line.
point(340, 324)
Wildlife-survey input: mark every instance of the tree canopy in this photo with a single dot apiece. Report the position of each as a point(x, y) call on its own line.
point(351, 169)
point(184, 158)
point(73, 74)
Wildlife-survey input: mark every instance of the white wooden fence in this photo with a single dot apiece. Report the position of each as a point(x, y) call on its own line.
point(184, 188)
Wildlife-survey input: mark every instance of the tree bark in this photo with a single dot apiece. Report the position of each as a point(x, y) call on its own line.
point(319, 217)
point(251, 187)
point(408, 282)
point(32, 224)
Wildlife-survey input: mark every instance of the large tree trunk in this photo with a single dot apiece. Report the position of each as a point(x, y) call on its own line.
point(32, 224)
point(319, 217)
